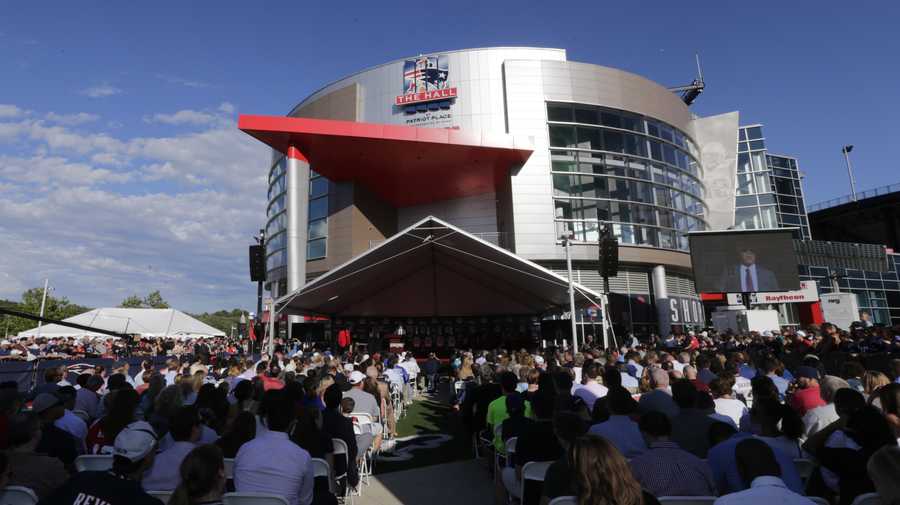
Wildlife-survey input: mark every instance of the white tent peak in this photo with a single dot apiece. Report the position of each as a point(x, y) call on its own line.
point(144, 322)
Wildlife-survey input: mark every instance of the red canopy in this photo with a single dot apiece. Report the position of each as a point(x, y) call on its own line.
point(403, 165)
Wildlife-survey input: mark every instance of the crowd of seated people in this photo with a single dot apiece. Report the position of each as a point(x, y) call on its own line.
point(704, 414)
point(171, 429)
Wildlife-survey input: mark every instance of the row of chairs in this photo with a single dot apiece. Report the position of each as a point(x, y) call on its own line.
point(864, 499)
point(537, 471)
point(101, 462)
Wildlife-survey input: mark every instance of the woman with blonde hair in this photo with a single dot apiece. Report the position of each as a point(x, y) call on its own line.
point(602, 475)
point(872, 381)
point(465, 371)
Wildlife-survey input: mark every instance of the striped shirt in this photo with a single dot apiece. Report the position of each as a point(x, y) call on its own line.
point(667, 470)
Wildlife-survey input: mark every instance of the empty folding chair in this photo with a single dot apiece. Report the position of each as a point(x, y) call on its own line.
point(533, 470)
point(867, 499)
point(17, 495)
point(687, 500)
point(93, 462)
point(342, 451)
point(162, 496)
point(253, 499)
point(321, 469)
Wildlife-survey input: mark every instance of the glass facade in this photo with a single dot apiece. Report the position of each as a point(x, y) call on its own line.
point(768, 193)
point(877, 293)
point(317, 226)
point(640, 174)
point(276, 223)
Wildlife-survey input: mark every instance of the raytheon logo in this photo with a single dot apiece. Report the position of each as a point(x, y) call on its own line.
point(425, 85)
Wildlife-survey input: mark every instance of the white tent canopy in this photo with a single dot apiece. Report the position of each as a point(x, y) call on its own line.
point(143, 322)
point(435, 269)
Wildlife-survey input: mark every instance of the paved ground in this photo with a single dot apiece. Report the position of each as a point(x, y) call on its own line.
point(432, 463)
point(460, 482)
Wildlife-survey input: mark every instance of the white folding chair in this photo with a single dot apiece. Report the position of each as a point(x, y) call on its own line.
point(93, 462)
point(533, 470)
point(805, 468)
point(342, 451)
point(17, 495)
point(162, 496)
point(507, 453)
point(687, 500)
point(229, 468)
point(867, 499)
point(818, 500)
point(564, 500)
point(321, 468)
point(253, 499)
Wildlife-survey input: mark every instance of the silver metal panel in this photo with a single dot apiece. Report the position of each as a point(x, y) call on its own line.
point(297, 213)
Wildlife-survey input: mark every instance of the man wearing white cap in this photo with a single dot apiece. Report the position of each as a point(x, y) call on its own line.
point(134, 451)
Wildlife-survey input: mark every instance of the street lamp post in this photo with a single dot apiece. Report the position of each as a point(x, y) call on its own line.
point(566, 242)
point(846, 150)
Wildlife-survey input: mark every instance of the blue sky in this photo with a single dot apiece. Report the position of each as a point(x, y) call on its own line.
point(121, 169)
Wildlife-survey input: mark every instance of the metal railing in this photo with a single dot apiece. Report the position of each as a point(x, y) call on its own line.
point(869, 193)
point(498, 238)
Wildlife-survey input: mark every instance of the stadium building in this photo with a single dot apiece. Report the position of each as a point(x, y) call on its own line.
point(516, 146)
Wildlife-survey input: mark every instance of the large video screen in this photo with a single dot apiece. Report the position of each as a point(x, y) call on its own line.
point(752, 261)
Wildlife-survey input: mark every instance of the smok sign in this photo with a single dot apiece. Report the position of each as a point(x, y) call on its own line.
point(425, 80)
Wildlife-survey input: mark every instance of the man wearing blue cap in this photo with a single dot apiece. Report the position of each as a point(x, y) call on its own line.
point(807, 396)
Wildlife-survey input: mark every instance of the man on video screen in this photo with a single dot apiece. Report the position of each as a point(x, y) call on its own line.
point(747, 276)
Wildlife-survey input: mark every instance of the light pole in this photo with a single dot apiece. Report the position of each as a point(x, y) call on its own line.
point(846, 150)
point(566, 242)
point(43, 303)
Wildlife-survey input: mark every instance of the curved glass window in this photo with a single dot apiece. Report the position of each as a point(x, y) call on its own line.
point(276, 224)
point(277, 205)
point(278, 169)
point(637, 173)
point(278, 241)
point(277, 187)
point(276, 259)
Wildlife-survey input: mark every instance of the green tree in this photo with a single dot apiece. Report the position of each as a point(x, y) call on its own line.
point(132, 302)
point(155, 301)
point(54, 308)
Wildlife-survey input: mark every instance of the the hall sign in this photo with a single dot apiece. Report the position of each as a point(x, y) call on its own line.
point(424, 81)
point(425, 96)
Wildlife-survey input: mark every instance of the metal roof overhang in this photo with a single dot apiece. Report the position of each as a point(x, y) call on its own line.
point(403, 165)
point(434, 269)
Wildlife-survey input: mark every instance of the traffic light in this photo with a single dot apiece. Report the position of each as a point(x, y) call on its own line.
point(609, 252)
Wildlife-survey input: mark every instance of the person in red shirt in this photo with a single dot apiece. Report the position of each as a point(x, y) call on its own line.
point(269, 376)
point(807, 396)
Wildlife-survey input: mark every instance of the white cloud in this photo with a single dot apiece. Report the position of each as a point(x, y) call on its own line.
point(101, 91)
point(104, 215)
point(227, 108)
point(56, 171)
point(71, 119)
point(186, 116)
point(11, 111)
point(172, 79)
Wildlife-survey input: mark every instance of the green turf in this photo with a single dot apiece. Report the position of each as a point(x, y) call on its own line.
point(429, 417)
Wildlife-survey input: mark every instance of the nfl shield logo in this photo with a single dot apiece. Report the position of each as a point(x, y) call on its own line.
point(425, 73)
